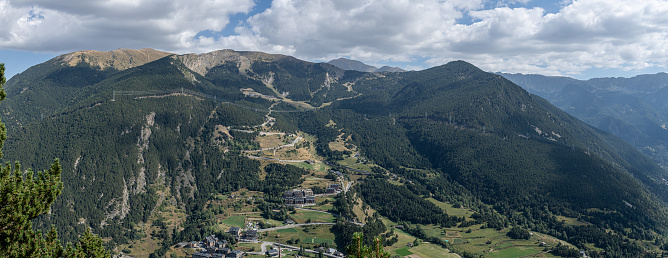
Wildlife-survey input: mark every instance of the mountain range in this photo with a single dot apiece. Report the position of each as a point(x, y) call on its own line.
point(633, 109)
point(140, 130)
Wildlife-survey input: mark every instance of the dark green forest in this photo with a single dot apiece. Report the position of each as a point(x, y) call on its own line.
point(453, 132)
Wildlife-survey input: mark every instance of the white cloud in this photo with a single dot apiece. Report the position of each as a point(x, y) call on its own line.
point(583, 34)
point(367, 30)
point(69, 25)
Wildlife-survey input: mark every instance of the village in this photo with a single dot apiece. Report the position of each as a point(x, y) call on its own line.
point(214, 247)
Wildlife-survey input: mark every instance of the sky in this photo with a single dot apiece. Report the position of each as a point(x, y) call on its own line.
point(577, 38)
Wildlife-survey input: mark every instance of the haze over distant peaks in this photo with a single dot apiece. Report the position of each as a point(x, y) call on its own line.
point(347, 64)
point(119, 59)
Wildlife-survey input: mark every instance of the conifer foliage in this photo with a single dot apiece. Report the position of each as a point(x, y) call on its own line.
point(358, 250)
point(23, 197)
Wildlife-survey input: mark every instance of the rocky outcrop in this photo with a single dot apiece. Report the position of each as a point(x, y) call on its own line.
point(120, 59)
point(202, 63)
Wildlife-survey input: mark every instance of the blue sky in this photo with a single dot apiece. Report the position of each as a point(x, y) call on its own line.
point(577, 38)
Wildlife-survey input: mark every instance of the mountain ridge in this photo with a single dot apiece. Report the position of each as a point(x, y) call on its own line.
point(631, 108)
point(119, 59)
point(454, 132)
point(348, 64)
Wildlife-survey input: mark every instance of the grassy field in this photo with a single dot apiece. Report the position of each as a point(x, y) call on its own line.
point(403, 251)
point(403, 237)
point(249, 247)
point(459, 212)
point(324, 207)
point(347, 161)
point(431, 250)
point(235, 221)
point(302, 216)
point(339, 145)
point(309, 236)
point(316, 240)
point(270, 141)
point(516, 251)
point(424, 250)
point(304, 165)
point(361, 166)
point(504, 245)
point(287, 230)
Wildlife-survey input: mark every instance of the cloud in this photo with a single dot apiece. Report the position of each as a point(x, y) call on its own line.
point(68, 25)
point(582, 35)
point(504, 35)
point(368, 30)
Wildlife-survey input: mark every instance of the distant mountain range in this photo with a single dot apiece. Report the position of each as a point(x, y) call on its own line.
point(347, 64)
point(635, 109)
point(139, 130)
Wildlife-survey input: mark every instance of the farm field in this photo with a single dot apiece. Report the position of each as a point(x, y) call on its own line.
point(516, 251)
point(450, 210)
point(347, 161)
point(302, 216)
point(309, 236)
point(235, 221)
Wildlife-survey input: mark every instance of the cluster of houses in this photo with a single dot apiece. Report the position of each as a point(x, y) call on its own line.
point(299, 197)
point(305, 197)
point(214, 248)
point(250, 234)
point(337, 173)
point(333, 189)
point(333, 251)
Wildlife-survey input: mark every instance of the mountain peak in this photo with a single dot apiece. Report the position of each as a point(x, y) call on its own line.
point(456, 67)
point(461, 64)
point(347, 64)
point(202, 63)
point(119, 59)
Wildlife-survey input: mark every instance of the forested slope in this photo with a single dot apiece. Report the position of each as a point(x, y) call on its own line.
point(132, 139)
point(507, 147)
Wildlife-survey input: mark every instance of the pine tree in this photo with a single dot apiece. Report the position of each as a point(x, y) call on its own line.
point(358, 250)
point(24, 197)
